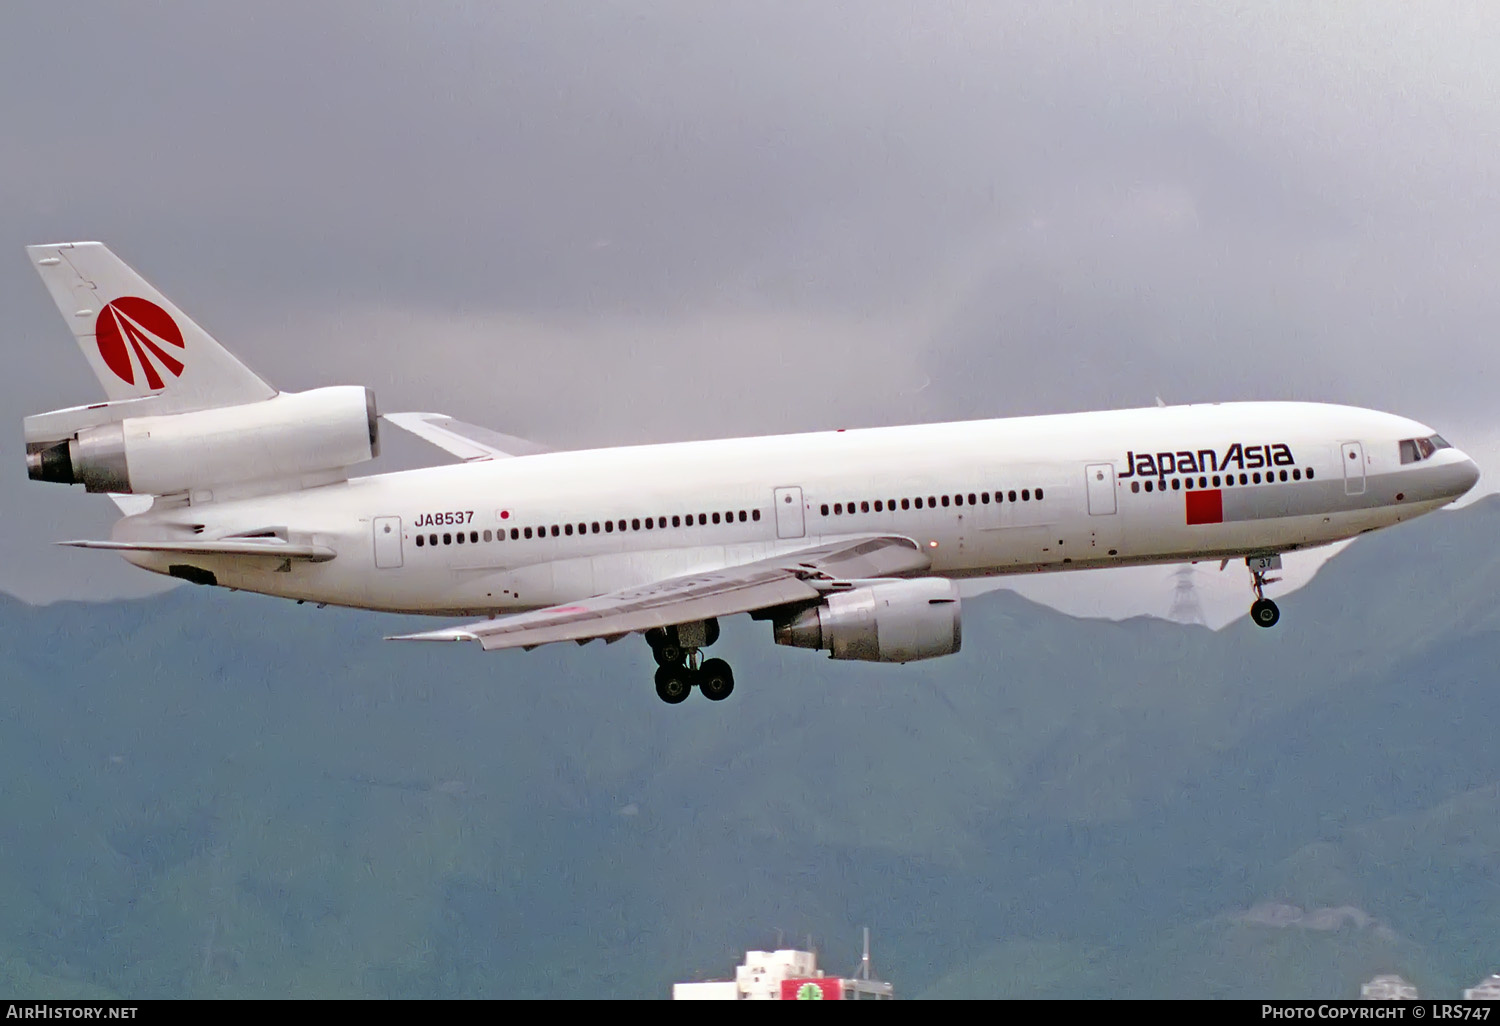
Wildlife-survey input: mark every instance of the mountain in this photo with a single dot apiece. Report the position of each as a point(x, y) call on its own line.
point(216, 794)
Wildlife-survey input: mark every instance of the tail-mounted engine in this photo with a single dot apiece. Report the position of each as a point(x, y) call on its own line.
point(889, 622)
point(290, 434)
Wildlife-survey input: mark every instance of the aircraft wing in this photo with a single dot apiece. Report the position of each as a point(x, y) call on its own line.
point(779, 580)
point(466, 441)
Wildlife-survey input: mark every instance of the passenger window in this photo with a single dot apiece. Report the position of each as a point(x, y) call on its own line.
point(1025, 494)
point(420, 541)
point(972, 500)
point(984, 497)
point(594, 527)
point(1216, 480)
point(1283, 475)
point(609, 527)
point(555, 531)
point(932, 502)
point(1038, 495)
point(621, 525)
point(1012, 495)
point(1148, 488)
point(1255, 477)
point(474, 537)
point(1309, 473)
point(1244, 479)
point(906, 504)
point(864, 507)
point(755, 514)
point(1177, 485)
point(1135, 486)
point(677, 521)
point(879, 506)
point(702, 519)
point(742, 516)
point(447, 539)
point(945, 500)
point(486, 535)
point(918, 502)
point(568, 529)
point(890, 504)
point(716, 518)
point(1296, 474)
point(460, 537)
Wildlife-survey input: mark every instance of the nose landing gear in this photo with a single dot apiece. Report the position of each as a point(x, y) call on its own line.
point(1263, 612)
point(678, 655)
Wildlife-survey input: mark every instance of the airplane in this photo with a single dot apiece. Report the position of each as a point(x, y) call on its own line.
point(849, 541)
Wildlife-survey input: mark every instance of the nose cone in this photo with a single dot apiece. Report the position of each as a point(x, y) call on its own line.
point(1465, 476)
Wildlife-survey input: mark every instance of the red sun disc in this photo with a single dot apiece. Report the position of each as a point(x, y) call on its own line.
point(131, 324)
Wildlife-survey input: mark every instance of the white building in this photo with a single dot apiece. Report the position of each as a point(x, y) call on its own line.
point(787, 974)
point(1388, 988)
point(1487, 989)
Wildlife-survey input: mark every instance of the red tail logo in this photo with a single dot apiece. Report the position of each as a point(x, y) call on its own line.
point(134, 325)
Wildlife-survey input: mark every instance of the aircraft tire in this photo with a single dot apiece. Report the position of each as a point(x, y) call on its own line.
point(1265, 613)
point(716, 680)
point(673, 684)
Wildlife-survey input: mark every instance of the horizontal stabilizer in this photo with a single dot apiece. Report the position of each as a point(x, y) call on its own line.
point(270, 548)
point(466, 441)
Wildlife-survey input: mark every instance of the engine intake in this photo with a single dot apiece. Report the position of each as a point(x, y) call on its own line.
point(287, 435)
point(889, 622)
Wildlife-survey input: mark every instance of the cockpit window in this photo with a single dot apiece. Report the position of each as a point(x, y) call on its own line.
point(1414, 450)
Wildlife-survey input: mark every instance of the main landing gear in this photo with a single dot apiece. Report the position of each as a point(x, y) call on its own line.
point(681, 666)
point(1263, 612)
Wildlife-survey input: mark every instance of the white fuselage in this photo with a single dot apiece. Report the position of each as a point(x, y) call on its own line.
point(982, 498)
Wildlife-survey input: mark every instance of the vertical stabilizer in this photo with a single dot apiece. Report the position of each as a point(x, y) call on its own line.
point(137, 341)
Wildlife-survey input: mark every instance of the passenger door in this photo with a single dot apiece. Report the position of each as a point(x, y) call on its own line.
point(789, 520)
point(1101, 488)
point(387, 542)
point(1354, 468)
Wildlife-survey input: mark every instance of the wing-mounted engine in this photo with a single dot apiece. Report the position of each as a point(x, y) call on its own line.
point(290, 435)
point(887, 622)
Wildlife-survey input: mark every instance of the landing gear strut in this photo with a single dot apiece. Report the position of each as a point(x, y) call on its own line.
point(1263, 612)
point(678, 655)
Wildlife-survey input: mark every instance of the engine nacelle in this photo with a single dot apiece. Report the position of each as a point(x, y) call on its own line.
point(889, 622)
point(290, 434)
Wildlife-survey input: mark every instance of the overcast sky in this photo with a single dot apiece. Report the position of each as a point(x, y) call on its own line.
point(605, 223)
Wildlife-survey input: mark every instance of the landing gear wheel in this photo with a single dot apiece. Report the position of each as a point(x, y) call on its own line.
point(1264, 613)
point(668, 653)
point(716, 680)
point(664, 647)
point(673, 684)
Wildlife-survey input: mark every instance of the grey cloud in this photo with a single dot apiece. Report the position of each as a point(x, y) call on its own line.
point(618, 222)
